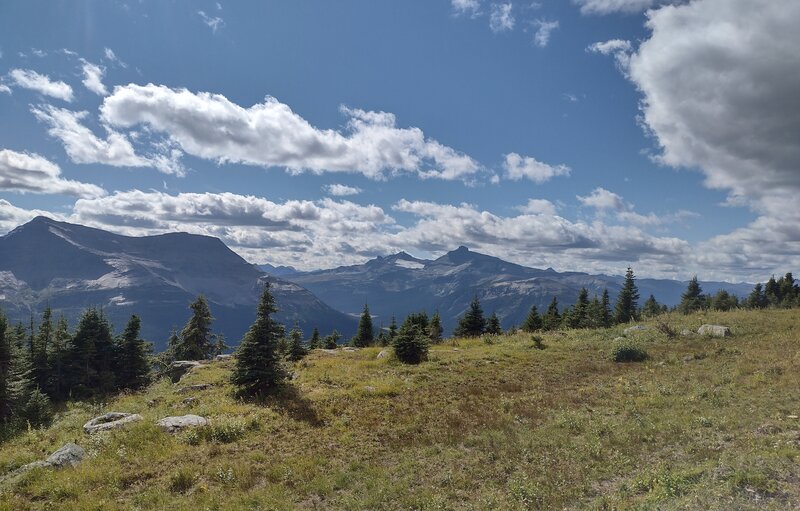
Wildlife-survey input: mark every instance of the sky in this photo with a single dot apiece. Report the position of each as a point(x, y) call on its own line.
point(582, 135)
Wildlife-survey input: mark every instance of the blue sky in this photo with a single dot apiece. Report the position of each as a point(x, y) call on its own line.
point(324, 133)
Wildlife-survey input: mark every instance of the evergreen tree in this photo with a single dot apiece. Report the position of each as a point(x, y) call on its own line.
point(133, 363)
point(315, 341)
point(788, 290)
point(5, 372)
point(89, 360)
point(472, 323)
point(651, 307)
point(579, 318)
point(40, 366)
point(195, 341)
point(773, 292)
point(606, 316)
point(58, 352)
point(493, 325)
point(258, 368)
point(411, 343)
point(551, 319)
point(365, 335)
point(392, 330)
point(757, 299)
point(626, 306)
point(29, 405)
point(692, 299)
point(420, 319)
point(595, 313)
point(533, 323)
point(435, 328)
point(331, 341)
point(219, 344)
point(566, 319)
point(724, 301)
point(296, 348)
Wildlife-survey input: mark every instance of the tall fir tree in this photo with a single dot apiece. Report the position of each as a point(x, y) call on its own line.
point(392, 329)
point(195, 340)
point(651, 308)
point(472, 323)
point(493, 325)
point(258, 369)
point(757, 299)
point(411, 343)
point(220, 346)
point(40, 365)
point(595, 313)
point(29, 405)
point(533, 323)
point(331, 341)
point(627, 304)
point(5, 372)
point(772, 291)
point(88, 362)
point(692, 299)
point(297, 349)
point(579, 317)
point(56, 357)
point(607, 316)
point(365, 334)
point(435, 328)
point(551, 320)
point(133, 357)
point(315, 341)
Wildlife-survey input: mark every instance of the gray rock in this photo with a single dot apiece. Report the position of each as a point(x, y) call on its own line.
point(177, 369)
point(194, 388)
point(686, 333)
point(383, 354)
point(111, 420)
point(619, 339)
point(370, 388)
point(350, 348)
point(635, 328)
point(177, 423)
point(71, 454)
point(688, 358)
point(714, 331)
point(223, 357)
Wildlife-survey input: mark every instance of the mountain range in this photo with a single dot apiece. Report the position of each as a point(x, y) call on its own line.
point(71, 267)
point(400, 284)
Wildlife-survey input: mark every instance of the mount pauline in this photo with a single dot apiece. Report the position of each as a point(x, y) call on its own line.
point(71, 267)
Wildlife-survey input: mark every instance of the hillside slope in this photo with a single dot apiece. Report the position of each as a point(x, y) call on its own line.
point(71, 267)
point(704, 424)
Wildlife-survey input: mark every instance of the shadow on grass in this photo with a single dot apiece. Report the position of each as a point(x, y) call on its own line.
point(288, 399)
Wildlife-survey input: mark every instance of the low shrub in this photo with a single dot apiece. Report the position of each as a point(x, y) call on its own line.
point(626, 351)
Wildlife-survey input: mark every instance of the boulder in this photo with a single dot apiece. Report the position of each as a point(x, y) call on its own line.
point(635, 328)
point(110, 420)
point(177, 423)
point(686, 333)
point(223, 357)
point(714, 331)
point(383, 354)
point(69, 455)
point(177, 369)
point(190, 401)
point(350, 348)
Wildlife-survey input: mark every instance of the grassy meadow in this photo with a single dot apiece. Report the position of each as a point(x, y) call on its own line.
point(701, 424)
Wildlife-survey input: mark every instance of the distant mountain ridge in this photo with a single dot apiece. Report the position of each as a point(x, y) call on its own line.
point(399, 284)
point(71, 267)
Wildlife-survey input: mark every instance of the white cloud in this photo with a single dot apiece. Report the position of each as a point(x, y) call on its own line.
point(600, 198)
point(501, 19)
point(28, 79)
point(544, 29)
point(12, 216)
point(610, 6)
point(93, 78)
point(28, 172)
point(83, 146)
point(468, 7)
point(339, 190)
point(270, 134)
point(518, 167)
point(112, 57)
point(538, 207)
point(213, 22)
point(5, 88)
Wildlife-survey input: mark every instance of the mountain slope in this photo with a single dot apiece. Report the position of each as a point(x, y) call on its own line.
point(399, 284)
point(71, 267)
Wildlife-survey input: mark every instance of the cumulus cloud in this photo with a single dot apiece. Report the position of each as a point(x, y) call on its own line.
point(28, 172)
point(28, 79)
point(12, 216)
point(501, 19)
point(544, 29)
point(5, 88)
point(339, 190)
point(213, 22)
point(619, 48)
point(538, 207)
point(600, 198)
point(93, 78)
point(83, 146)
point(270, 134)
point(468, 7)
point(625, 6)
point(518, 167)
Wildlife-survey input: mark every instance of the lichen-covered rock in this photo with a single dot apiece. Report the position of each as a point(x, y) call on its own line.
point(633, 329)
point(383, 354)
point(110, 420)
point(223, 357)
point(686, 333)
point(714, 331)
point(177, 369)
point(69, 455)
point(177, 423)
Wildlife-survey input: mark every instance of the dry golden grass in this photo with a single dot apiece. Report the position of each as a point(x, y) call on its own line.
point(702, 424)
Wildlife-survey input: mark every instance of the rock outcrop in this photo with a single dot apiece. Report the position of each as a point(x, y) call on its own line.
point(110, 420)
point(177, 369)
point(177, 423)
point(714, 331)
